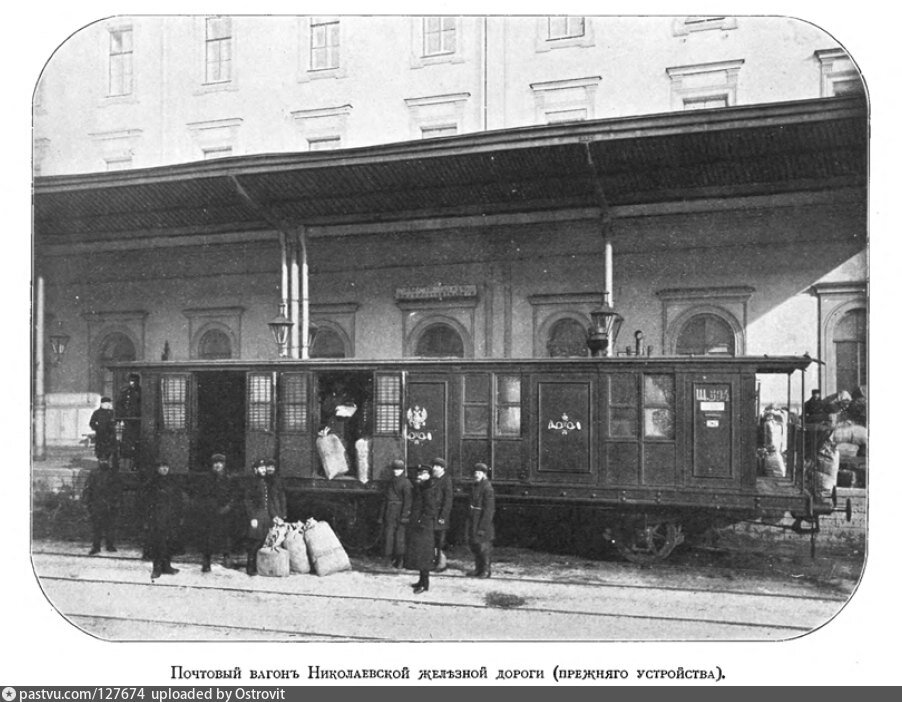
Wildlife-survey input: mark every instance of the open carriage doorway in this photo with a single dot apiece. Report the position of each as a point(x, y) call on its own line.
point(220, 419)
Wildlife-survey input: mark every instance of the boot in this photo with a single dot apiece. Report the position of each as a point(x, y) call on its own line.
point(251, 563)
point(486, 565)
point(95, 549)
point(157, 570)
point(205, 568)
point(167, 568)
point(110, 547)
point(423, 585)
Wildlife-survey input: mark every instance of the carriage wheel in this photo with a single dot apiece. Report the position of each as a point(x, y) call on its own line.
point(354, 530)
point(645, 541)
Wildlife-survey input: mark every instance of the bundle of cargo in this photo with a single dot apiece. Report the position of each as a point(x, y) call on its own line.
point(827, 467)
point(294, 543)
point(774, 444)
point(327, 555)
point(332, 454)
point(272, 560)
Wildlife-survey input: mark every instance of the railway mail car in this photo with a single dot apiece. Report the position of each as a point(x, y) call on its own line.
point(657, 445)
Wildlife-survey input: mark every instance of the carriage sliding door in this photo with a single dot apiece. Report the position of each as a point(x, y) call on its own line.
point(564, 409)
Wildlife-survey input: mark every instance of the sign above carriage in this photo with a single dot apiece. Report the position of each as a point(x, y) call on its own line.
point(438, 291)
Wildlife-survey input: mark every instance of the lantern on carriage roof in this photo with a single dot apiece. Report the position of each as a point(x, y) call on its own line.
point(604, 329)
point(280, 327)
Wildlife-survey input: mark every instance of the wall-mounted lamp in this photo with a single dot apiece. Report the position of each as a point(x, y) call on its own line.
point(605, 327)
point(59, 341)
point(280, 326)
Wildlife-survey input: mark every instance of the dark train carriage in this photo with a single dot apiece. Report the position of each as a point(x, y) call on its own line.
point(655, 444)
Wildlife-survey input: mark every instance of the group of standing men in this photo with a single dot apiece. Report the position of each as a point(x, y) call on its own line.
point(416, 519)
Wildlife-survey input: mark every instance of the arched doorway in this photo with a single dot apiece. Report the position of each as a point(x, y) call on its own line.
point(116, 347)
point(440, 340)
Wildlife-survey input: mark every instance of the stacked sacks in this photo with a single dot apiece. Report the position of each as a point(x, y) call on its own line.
point(332, 454)
point(294, 543)
point(327, 555)
point(272, 560)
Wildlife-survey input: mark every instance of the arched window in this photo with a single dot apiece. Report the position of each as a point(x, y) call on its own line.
point(114, 348)
point(327, 344)
point(215, 343)
point(850, 342)
point(567, 337)
point(440, 341)
point(706, 335)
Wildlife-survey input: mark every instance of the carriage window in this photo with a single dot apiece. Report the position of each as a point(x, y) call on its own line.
point(507, 408)
point(174, 395)
point(388, 404)
point(293, 402)
point(624, 405)
point(259, 402)
point(477, 394)
point(658, 407)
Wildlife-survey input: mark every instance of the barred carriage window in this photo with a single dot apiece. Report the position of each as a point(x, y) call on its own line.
point(388, 404)
point(477, 396)
point(658, 406)
point(259, 402)
point(174, 401)
point(624, 406)
point(293, 402)
point(507, 407)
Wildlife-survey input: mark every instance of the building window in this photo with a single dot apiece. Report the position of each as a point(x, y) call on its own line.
point(440, 341)
point(850, 345)
point(439, 36)
point(839, 76)
point(293, 402)
point(324, 143)
point(566, 27)
point(174, 401)
point(217, 152)
point(324, 44)
point(328, 344)
point(214, 344)
point(121, 64)
point(565, 100)
point(219, 50)
point(704, 85)
point(705, 335)
point(701, 23)
point(567, 337)
point(120, 163)
point(115, 348)
point(438, 131)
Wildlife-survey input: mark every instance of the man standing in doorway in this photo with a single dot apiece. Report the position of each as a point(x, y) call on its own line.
point(444, 492)
point(480, 526)
point(214, 506)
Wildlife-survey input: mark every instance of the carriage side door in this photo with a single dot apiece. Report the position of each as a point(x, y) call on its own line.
point(714, 444)
point(564, 417)
point(294, 394)
point(261, 411)
point(174, 420)
point(426, 419)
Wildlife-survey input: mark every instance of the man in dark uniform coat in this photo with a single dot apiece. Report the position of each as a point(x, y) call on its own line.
point(480, 526)
point(128, 411)
point(103, 422)
point(445, 497)
point(102, 496)
point(419, 553)
point(396, 513)
point(165, 510)
point(214, 507)
point(263, 501)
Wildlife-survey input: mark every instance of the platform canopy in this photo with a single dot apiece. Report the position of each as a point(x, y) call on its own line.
point(810, 145)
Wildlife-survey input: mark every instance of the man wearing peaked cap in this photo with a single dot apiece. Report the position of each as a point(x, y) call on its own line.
point(103, 422)
point(396, 513)
point(213, 502)
point(480, 518)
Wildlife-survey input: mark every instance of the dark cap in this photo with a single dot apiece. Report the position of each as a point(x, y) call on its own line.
point(218, 458)
point(105, 399)
point(481, 466)
point(422, 469)
point(439, 462)
point(398, 464)
point(259, 462)
point(134, 376)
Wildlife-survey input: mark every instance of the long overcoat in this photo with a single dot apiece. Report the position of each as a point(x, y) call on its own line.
point(420, 550)
point(444, 501)
point(481, 515)
point(103, 493)
point(263, 500)
point(103, 422)
point(214, 504)
point(166, 505)
point(396, 514)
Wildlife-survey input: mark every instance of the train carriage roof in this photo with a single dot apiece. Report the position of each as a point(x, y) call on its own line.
point(679, 156)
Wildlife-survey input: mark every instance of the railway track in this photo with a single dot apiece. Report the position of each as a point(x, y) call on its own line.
point(115, 598)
